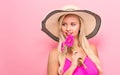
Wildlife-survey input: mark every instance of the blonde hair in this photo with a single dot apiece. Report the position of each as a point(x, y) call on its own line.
point(84, 44)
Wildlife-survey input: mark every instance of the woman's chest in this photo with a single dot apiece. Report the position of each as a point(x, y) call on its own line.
point(90, 68)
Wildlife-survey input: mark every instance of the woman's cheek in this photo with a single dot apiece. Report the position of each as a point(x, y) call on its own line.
point(63, 32)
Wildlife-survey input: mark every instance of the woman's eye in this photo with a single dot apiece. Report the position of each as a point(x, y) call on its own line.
point(63, 24)
point(73, 24)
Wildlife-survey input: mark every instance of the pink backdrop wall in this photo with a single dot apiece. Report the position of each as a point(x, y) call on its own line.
point(24, 47)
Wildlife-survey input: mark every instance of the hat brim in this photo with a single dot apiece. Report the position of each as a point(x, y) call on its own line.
point(92, 22)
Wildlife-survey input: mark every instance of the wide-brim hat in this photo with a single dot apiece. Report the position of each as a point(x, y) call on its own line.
point(91, 20)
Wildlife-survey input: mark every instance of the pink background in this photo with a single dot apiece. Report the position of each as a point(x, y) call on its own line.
point(24, 47)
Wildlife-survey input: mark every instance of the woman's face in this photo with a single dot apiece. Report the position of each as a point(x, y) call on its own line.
point(70, 25)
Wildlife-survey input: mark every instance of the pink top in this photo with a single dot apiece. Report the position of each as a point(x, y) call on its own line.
point(80, 70)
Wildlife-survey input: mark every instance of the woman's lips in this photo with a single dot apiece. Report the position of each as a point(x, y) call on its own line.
point(68, 34)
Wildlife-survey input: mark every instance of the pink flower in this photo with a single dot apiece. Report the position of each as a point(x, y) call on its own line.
point(68, 42)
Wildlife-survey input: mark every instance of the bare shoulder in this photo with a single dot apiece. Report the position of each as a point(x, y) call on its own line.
point(94, 48)
point(53, 55)
point(53, 62)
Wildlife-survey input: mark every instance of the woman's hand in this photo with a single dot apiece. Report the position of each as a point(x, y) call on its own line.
point(76, 58)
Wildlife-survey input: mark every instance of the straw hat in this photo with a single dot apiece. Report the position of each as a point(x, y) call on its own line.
point(91, 20)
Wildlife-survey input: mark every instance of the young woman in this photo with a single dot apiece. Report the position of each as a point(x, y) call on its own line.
point(81, 58)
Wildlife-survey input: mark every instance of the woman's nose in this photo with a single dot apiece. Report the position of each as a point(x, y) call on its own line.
point(68, 28)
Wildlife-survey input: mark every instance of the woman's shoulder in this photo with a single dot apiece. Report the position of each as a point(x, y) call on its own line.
point(53, 55)
point(94, 48)
point(53, 52)
point(53, 63)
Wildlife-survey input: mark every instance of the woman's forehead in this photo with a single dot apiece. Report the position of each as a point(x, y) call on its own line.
point(71, 17)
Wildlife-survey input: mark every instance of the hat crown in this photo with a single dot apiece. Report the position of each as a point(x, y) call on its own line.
point(70, 8)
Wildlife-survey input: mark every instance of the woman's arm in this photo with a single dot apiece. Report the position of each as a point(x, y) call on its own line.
point(93, 47)
point(53, 64)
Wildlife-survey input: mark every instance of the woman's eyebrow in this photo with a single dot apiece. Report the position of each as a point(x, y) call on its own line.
point(73, 22)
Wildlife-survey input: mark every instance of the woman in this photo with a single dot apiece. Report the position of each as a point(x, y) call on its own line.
point(81, 58)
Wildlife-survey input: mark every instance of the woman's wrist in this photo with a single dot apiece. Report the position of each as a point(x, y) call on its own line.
point(73, 66)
